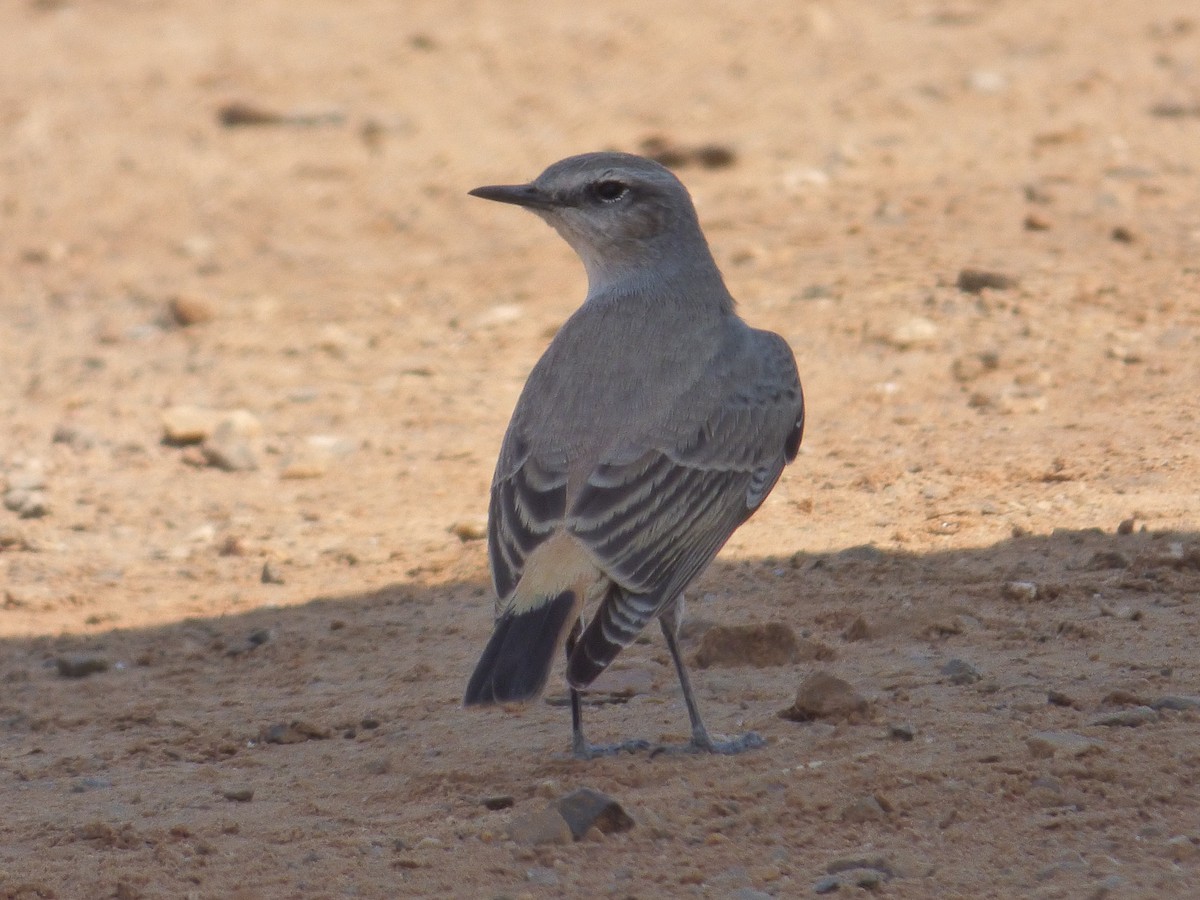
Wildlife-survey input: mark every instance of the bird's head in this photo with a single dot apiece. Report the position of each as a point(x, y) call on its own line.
point(624, 215)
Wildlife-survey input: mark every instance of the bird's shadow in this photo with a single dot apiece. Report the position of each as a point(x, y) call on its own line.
point(394, 660)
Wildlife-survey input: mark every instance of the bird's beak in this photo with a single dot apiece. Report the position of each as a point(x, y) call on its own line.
point(527, 195)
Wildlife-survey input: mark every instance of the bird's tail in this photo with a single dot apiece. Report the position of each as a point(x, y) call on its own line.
point(516, 661)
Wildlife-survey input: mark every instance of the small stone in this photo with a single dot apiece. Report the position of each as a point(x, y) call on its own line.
point(467, 530)
point(827, 885)
point(1126, 718)
point(1176, 703)
point(1122, 235)
point(903, 732)
point(914, 333)
point(542, 875)
point(1023, 591)
point(189, 309)
point(315, 456)
point(27, 504)
point(188, 424)
point(975, 281)
point(966, 369)
point(864, 809)
point(33, 479)
point(1125, 526)
point(586, 808)
point(960, 672)
point(858, 630)
point(546, 826)
point(1182, 848)
point(80, 666)
point(825, 696)
point(270, 574)
point(239, 794)
point(759, 645)
point(1037, 222)
point(228, 452)
point(1058, 698)
point(11, 538)
point(501, 801)
point(1046, 744)
point(73, 436)
point(749, 893)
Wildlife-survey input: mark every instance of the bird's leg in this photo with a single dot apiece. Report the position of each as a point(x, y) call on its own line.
point(701, 740)
point(580, 747)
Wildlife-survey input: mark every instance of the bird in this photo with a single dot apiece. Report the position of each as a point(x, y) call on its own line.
point(655, 424)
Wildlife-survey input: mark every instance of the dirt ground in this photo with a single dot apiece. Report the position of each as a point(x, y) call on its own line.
point(262, 207)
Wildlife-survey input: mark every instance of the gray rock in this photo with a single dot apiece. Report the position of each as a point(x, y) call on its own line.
point(827, 885)
point(902, 732)
point(542, 875)
point(546, 826)
point(240, 794)
point(1126, 718)
point(960, 672)
point(749, 893)
point(864, 809)
point(1176, 703)
point(1024, 591)
point(585, 808)
point(1046, 744)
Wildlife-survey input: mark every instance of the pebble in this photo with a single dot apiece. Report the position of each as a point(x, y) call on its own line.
point(239, 794)
point(902, 732)
point(864, 809)
point(960, 672)
point(1046, 744)
point(975, 281)
point(315, 456)
point(1176, 703)
point(73, 436)
point(546, 826)
point(825, 696)
point(1024, 591)
point(11, 538)
point(500, 801)
point(1126, 718)
point(187, 424)
point(858, 630)
point(542, 875)
point(80, 666)
point(190, 309)
point(759, 645)
point(228, 447)
point(467, 530)
point(586, 808)
point(27, 504)
point(966, 369)
point(1182, 848)
point(749, 893)
point(912, 334)
point(270, 574)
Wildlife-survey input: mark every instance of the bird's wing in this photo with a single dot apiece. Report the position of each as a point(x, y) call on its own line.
point(654, 519)
point(527, 504)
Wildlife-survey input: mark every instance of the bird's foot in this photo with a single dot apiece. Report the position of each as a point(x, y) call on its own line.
point(704, 743)
point(584, 750)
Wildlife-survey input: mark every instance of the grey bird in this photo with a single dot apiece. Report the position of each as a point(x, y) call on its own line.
point(655, 424)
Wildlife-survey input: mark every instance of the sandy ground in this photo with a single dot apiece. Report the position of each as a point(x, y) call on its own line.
point(289, 179)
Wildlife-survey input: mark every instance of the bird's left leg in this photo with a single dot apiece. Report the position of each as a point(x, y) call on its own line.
point(670, 620)
point(580, 747)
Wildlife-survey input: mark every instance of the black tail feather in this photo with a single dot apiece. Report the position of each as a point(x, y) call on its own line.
point(516, 661)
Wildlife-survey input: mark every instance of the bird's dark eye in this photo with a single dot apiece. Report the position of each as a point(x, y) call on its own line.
point(609, 191)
